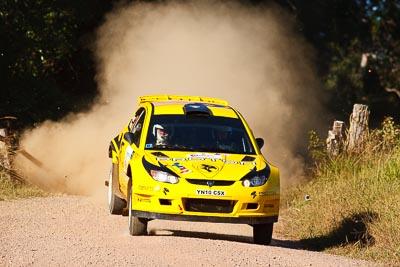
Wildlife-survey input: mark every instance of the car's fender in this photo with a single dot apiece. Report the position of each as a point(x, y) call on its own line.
point(113, 149)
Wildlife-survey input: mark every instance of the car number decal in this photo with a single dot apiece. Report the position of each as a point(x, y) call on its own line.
point(208, 192)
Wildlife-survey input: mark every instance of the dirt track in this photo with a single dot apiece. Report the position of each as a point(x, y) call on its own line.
point(78, 231)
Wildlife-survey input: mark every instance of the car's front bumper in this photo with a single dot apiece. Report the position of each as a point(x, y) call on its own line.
point(196, 218)
point(181, 202)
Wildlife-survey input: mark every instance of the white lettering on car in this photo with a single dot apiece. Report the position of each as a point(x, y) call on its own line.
point(205, 156)
point(213, 160)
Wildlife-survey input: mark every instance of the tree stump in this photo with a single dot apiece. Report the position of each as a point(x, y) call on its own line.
point(358, 131)
point(4, 159)
point(335, 140)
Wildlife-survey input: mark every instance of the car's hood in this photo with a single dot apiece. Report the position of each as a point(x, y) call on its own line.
point(204, 165)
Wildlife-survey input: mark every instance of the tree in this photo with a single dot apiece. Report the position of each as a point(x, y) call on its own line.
point(358, 46)
point(45, 60)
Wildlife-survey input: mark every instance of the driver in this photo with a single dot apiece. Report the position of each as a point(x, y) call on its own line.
point(223, 138)
point(161, 135)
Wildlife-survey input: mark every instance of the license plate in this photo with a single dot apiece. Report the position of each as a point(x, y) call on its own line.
point(208, 192)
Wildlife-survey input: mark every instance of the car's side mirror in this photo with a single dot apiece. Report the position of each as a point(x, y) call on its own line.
point(260, 142)
point(129, 137)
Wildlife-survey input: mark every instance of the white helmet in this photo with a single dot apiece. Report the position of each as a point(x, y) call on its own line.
point(160, 134)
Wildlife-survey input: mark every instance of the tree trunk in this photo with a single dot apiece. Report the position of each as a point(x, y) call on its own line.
point(358, 127)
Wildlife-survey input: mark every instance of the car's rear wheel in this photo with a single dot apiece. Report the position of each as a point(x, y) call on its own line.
point(137, 226)
point(262, 233)
point(115, 203)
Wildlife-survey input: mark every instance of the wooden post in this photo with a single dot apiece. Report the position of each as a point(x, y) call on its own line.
point(4, 160)
point(358, 127)
point(334, 142)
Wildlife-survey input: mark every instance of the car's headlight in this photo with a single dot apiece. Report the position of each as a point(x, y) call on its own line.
point(256, 178)
point(164, 177)
point(255, 181)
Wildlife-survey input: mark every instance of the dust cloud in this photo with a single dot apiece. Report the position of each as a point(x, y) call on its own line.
point(251, 57)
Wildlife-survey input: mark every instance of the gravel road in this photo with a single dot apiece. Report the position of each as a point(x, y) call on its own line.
point(79, 231)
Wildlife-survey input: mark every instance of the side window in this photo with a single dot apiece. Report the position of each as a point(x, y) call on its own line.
point(136, 125)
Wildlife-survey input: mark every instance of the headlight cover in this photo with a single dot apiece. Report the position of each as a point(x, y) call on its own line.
point(160, 173)
point(256, 178)
point(164, 177)
point(255, 181)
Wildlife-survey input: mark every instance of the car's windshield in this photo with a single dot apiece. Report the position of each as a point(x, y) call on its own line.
point(198, 133)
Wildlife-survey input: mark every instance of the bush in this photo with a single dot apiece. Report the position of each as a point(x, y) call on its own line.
point(353, 206)
point(11, 188)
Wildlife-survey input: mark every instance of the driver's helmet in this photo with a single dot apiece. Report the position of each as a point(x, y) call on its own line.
point(161, 134)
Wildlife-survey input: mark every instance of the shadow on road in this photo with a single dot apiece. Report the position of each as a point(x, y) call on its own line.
point(234, 238)
point(351, 230)
point(201, 235)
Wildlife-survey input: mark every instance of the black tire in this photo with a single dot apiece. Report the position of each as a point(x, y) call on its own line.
point(262, 233)
point(115, 203)
point(137, 226)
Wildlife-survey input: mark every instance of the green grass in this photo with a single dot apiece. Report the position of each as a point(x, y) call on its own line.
point(354, 206)
point(14, 189)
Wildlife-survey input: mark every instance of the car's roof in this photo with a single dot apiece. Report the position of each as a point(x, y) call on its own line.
point(173, 104)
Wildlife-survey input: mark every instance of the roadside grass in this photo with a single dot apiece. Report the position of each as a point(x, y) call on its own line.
point(14, 189)
point(351, 205)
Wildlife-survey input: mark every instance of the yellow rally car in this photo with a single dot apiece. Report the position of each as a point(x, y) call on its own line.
point(192, 158)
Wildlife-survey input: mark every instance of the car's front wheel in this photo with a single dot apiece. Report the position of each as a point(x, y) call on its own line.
point(115, 204)
point(262, 233)
point(137, 226)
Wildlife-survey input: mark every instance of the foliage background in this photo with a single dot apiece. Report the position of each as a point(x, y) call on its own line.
point(47, 67)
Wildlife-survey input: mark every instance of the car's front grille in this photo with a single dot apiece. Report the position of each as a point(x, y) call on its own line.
point(207, 182)
point(209, 205)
